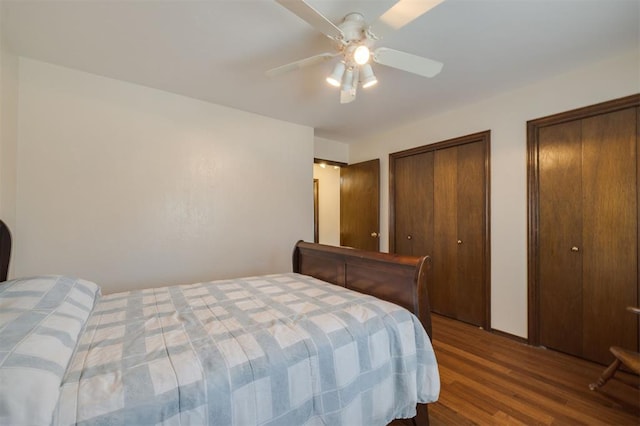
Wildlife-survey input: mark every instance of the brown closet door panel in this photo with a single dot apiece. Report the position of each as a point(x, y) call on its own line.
point(610, 233)
point(423, 217)
point(443, 291)
point(413, 191)
point(470, 293)
point(560, 229)
point(404, 209)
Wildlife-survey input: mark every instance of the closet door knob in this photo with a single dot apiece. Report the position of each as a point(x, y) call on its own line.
point(409, 237)
point(575, 248)
point(374, 234)
point(459, 241)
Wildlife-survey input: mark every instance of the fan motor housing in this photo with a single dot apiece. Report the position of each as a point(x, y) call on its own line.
point(353, 27)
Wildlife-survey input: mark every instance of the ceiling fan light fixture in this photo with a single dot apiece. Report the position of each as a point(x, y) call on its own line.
point(335, 78)
point(355, 45)
point(368, 78)
point(361, 55)
point(347, 80)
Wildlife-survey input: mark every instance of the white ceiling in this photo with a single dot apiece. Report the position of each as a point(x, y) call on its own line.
point(218, 50)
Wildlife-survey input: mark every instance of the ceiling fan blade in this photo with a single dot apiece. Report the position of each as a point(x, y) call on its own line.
point(293, 66)
point(400, 14)
point(407, 62)
point(312, 17)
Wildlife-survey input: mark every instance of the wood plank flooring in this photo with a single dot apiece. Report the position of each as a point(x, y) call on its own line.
point(488, 379)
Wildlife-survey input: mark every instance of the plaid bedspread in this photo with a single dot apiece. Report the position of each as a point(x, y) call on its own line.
point(274, 350)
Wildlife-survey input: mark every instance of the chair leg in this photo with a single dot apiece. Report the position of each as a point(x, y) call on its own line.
point(606, 375)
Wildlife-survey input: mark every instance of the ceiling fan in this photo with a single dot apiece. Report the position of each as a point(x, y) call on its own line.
point(355, 39)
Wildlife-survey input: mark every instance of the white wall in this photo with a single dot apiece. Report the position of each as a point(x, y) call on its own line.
point(328, 204)
point(8, 130)
point(133, 187)
point(328, 149)
point(506, 116)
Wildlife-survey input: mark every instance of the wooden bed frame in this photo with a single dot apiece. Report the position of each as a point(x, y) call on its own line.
point(5, 250)
point(398, 279)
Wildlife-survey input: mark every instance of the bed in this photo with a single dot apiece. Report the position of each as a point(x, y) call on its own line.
point(285, 349)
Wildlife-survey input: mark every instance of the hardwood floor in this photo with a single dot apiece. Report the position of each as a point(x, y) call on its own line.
point(489, 379)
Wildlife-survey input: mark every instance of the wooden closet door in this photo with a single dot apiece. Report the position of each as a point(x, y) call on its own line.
point(470, 290)
point(444, 292)
point(609, 233)
point(439, 196)
point(459, 237)
point(413, 192)
point(560, 229)
point(586, 250)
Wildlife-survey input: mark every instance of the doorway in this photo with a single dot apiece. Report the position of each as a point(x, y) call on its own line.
point(326, 176)
point(348, 203)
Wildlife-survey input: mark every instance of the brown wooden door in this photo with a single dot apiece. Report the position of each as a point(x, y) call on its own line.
point(413, 183)
point(609, 233)
point(588, 234)
point(459, 228)
point(439, 198)
point(444, 289)
point(560, 210)
point(360, 205)
point(472, 206)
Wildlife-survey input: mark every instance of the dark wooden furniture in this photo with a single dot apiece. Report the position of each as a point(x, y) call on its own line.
point(395, 278)
point(631, 359)
point(583, 229)
point(439, 206)
point(398, 279)
point(5, 250)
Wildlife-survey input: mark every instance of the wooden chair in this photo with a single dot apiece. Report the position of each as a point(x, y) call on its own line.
point(5, 250)
point(629, 358)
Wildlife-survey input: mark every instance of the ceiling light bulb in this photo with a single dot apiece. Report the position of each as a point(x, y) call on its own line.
point(336, 76)
point(361, 55)
point(368, 79)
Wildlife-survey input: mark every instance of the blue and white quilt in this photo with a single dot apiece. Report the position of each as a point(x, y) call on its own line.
point(282, 349)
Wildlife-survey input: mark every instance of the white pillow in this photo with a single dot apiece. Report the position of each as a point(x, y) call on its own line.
point(41, 319)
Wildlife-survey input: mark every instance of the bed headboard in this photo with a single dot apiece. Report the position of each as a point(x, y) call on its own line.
point(5, 250)
point(398, 279)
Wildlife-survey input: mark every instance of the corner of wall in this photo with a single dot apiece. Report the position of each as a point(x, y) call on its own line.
point(8, 127)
